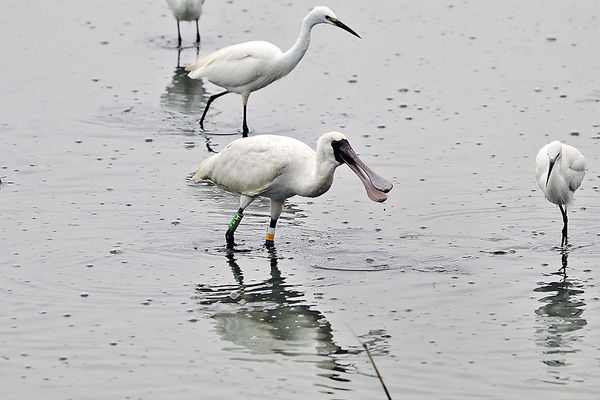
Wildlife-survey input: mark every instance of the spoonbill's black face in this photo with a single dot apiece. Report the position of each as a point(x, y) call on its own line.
point(376, 186)
point(340, 24)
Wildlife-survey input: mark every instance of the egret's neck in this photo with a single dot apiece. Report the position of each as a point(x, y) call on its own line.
point(557, 190)
point(292, 57)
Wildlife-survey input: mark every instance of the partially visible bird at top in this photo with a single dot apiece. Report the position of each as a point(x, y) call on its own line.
point(559, 171)
point(186, 10)
point(246, 67)
point(279, 167)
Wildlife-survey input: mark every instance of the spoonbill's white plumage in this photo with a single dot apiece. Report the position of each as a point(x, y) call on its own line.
point(559, 171)
point(186, 10)
point(279, 167)
point(246, 67)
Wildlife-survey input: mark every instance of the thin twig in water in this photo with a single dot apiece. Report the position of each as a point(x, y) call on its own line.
point(376, 370)
point(364, 345)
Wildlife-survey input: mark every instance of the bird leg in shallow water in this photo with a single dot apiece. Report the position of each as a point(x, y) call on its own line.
point(563, 241)
point(178, 35)
point(210, 100)
point(276, 208)
point(270, 239)
point(245, 129)
point(237, 218)
point(197, 33)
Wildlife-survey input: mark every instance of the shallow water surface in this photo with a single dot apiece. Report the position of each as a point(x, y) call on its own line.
point(115, 281)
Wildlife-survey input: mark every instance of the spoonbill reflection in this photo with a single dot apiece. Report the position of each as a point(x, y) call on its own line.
point(559, 171)
point(246, 67)
point(186, 10)
point(279, 167)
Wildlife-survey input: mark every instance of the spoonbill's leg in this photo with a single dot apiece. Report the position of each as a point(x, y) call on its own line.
point(178, 35)
point(563, 242)
point(197, 33)
point(237, 218)
point(210, 100)
point(276, 207)
point(245, 125)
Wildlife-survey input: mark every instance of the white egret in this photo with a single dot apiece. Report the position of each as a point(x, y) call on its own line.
point(246, 67)
point(279, 167)
point(186, 10)
point(559, 171)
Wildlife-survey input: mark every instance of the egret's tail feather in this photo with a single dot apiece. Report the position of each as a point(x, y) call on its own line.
point(196, 69)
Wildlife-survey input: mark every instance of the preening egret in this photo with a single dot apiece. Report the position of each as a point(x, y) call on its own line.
point(279, 167)
point(559, 171)
point(186, 10)
point(245, 67)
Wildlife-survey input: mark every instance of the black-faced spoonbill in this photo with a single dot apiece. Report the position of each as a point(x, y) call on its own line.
point(186, 10)
point(559, 171)
point(279, 167)
point(246, 67)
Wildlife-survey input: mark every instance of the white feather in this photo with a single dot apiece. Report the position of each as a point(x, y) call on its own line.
point(186, 10)
point(566, 175)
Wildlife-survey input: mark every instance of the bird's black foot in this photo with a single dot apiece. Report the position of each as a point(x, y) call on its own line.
point(229, 239)
point(269, 244)
point(564, 240)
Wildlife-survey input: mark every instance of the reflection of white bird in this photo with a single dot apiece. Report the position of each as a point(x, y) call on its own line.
point(246, 67)
point(279, 167)
point(559, 171)
point(186, 10)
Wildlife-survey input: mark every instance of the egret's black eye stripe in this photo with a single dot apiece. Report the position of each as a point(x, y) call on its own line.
point(328, 18)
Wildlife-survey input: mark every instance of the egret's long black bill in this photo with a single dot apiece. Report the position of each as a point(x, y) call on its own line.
point(345, 27)
point(376, 186)
point(549, 171)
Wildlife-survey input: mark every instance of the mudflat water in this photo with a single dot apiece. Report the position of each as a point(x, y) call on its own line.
point(115, 283)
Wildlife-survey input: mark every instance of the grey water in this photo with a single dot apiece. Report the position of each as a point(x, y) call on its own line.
point(115, 282)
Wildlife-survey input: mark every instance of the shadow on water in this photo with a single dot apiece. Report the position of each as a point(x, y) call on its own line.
point(273, 317)
point(183, 94)
point(183, 100)
point(559, 318)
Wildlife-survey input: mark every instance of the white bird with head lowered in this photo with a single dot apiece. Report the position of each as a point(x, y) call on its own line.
point(559, 172)
point(246, 67)
point(279, 167)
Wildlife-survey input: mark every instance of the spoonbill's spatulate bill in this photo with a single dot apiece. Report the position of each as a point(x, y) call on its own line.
point(246, 67)
point(186, 10)
point(559, 171)
point(279, 167)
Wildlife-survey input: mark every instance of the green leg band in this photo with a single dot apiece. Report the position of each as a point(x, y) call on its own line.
point(237, 218)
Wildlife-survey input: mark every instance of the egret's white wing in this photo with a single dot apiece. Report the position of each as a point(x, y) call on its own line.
point(574, 170)
point(236, 65)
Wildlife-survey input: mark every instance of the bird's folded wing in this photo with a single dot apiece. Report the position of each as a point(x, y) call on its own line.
point(249, 170)
point(237, 65)
point(576, 172)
